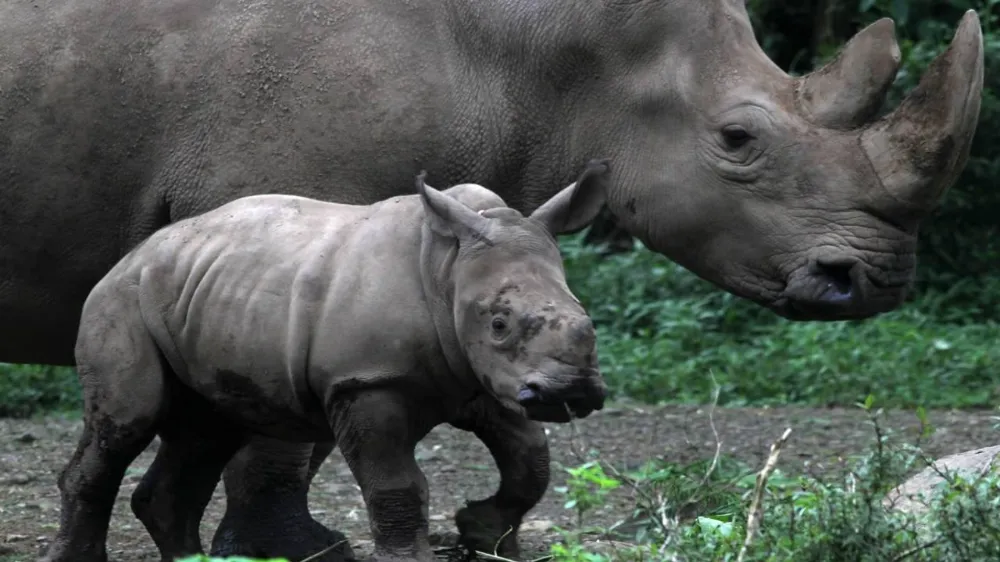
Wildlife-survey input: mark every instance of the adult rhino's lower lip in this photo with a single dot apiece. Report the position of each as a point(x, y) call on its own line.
point(837, 289)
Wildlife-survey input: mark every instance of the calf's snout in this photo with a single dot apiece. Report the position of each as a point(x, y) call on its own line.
point(554, 397)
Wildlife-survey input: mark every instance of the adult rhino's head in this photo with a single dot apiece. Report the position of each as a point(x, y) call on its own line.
point(523, 332)
point(787, 191)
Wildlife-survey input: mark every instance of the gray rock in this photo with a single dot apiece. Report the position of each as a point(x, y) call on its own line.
point(913, 495)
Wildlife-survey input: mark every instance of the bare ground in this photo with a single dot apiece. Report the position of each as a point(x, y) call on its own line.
point(458, 467)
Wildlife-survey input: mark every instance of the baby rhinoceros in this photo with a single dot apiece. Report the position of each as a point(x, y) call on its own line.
point(304, 321)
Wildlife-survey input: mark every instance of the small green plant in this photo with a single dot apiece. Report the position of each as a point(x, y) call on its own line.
point(586, 488)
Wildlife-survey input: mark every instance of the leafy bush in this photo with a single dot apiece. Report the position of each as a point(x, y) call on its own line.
point(28, 389)
point(804, 518)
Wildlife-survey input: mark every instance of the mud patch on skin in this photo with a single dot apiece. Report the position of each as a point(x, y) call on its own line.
point(530, 326)
point(501, 303)
point(249, 404)
point(459, 468)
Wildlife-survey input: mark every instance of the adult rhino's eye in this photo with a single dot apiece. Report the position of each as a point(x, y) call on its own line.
point(735, 136)
point(499, 327)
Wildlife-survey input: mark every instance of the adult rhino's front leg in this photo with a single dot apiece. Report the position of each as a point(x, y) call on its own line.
point(521, 452)
point(267, 514)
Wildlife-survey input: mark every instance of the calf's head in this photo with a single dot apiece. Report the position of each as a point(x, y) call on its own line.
point(789, 191)
point(524, 333)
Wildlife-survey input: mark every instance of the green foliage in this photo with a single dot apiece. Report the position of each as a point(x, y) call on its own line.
point(27, 389)
point(662, 332)
point(805, 518)
point(586, 488)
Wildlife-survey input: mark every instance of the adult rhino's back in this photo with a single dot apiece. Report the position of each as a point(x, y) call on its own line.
point(119, 117)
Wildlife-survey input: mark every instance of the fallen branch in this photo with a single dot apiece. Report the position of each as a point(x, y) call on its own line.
point(757, 503)
point(323, 552)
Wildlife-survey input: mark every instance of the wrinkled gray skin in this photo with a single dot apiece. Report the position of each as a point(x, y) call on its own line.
point(119, 117)
point(306, 320)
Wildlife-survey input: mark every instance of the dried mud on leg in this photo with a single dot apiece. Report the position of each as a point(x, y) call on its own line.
point(459, 467)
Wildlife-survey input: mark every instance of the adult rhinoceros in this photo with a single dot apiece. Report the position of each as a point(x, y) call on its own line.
point(117, 118)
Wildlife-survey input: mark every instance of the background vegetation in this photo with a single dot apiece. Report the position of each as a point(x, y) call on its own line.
point(664, 331)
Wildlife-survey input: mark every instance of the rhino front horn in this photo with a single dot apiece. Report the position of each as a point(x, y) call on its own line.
point(919, 149)
point(848, 91)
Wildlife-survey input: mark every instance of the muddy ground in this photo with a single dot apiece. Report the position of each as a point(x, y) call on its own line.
point(458, 467)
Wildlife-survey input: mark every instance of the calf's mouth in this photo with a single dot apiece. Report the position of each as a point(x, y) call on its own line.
point(560, 397)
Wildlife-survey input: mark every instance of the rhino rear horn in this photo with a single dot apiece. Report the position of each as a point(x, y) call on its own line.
point(848, 91)
point(447, 216)
point(578, 204)
point(919, 149)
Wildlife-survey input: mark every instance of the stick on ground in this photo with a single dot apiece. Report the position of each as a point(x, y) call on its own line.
point(757, 503)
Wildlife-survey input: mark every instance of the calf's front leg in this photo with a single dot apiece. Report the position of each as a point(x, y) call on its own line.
point(377, 431)
point(520, 450)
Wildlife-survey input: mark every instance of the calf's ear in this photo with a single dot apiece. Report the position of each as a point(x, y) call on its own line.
point(577, 205)
point(447, 216)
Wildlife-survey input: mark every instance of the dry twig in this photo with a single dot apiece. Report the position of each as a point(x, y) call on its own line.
point(757, 503)
point(323, 552)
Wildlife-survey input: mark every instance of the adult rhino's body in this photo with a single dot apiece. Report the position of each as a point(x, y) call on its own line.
point(119, 117)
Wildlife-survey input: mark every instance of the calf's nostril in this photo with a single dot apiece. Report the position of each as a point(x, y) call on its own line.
point(529, 393)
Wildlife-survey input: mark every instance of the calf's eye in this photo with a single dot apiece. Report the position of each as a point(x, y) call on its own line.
point(499, 326)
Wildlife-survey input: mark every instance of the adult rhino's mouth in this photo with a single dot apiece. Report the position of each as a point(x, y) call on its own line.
point(841, 289)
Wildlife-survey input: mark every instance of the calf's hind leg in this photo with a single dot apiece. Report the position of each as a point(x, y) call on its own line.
point(267, 484)
point(171, 499)
point(122, 376)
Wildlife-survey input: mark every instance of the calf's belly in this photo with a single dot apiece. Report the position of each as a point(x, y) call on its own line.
point(266, 407)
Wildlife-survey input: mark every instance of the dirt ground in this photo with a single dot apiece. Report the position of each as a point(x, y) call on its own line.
point(458, 467)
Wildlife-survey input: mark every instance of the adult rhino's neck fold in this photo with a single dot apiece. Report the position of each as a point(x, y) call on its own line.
point(522, 87)
point(436, 261)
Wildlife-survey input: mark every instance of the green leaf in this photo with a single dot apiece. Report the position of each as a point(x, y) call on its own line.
point(900, 11)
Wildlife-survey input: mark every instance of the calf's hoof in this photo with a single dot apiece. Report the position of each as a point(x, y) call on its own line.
point(55, 553)
point(484, 527)
point(294, 541)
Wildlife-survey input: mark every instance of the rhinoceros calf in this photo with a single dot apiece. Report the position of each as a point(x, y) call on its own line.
point(305, 320)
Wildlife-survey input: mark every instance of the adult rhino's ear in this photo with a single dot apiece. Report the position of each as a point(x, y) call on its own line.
point(577, 205)
point(447, 216)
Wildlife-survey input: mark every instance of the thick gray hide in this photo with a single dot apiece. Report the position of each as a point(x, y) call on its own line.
point(117, 118)
point(304, 320)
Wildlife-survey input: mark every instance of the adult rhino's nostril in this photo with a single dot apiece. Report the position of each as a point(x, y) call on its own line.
point(838, 286)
